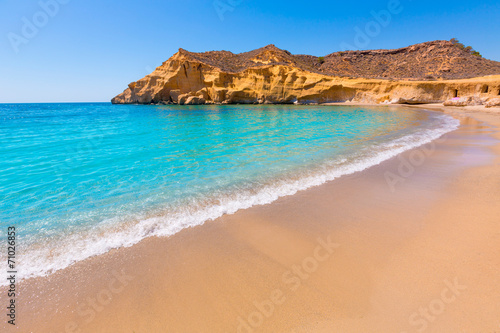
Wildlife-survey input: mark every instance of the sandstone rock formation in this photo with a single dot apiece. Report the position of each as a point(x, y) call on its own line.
point(272, 75)
point(493, 102)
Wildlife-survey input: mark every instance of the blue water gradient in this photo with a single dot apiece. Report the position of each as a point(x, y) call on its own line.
point(94, 170)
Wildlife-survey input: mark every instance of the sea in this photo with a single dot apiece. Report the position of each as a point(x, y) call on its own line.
point(77, 180)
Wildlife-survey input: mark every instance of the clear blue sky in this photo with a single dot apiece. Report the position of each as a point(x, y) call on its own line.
point(89, 50)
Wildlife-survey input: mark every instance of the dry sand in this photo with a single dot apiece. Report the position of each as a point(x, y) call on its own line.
point(353, 255)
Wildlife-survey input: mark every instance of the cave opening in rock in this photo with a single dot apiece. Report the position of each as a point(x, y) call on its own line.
point(455, 93)
point(485, 90)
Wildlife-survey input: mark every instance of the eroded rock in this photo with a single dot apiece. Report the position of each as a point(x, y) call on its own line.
point(270, 75)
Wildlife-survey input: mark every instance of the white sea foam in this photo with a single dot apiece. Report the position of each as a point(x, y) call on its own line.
point(56, 255)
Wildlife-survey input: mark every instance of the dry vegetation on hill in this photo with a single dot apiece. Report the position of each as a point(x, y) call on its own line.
point(425, 61)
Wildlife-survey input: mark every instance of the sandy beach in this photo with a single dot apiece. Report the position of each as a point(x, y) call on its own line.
point(409, 245)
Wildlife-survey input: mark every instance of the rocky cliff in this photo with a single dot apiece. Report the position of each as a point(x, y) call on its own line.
point(430, 72)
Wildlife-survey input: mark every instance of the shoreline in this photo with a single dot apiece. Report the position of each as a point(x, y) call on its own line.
point(165, 224)
point(257, 246)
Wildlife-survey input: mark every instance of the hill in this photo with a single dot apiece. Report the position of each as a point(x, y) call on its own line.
point(428, 72)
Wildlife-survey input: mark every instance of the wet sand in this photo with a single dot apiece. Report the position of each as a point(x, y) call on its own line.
point(410, 245)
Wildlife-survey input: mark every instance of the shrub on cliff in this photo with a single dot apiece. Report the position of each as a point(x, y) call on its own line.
point(469, 49)
point(457, 43)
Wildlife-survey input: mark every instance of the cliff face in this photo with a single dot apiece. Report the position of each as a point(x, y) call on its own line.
point(271, 75)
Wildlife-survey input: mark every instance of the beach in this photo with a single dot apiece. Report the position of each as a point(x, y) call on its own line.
point(409, 245)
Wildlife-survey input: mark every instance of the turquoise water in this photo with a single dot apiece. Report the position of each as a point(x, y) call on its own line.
point(79, 179)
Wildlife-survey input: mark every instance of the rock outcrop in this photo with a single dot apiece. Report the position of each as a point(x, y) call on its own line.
point(494, 102)
point(274, 76)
